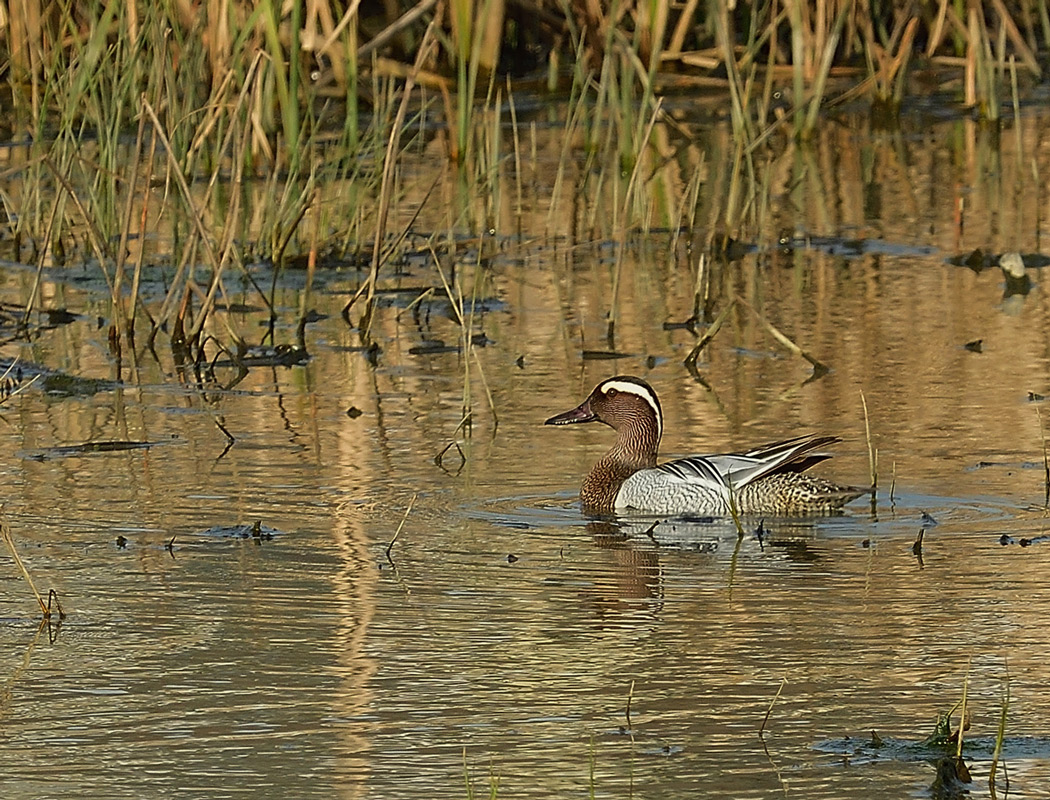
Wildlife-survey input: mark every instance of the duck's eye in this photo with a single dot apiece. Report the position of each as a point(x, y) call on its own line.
point(611, 392)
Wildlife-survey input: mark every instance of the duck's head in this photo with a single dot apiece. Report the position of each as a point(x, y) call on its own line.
point(624, 403)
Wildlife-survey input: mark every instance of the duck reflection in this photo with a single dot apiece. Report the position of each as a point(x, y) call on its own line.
point(634, 585)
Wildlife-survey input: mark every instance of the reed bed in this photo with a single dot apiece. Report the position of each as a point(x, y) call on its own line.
point(223, 123)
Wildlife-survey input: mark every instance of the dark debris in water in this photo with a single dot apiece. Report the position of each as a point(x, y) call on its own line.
point(1006, 539)
point(790, 241)
point(975, 346)
point(255, 531)
point(431, 347)
point(952, 779)
point(978, 260)
point(88, 448)
point(52, 382)
point(604, 355)
point(14, 318)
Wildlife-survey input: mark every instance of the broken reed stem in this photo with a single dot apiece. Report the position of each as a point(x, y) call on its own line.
point(5, 533)
point(397, 533)
point(819, 367)
point(873, 454)
point(709, 334)
point(1000, 734)
point(765, 719)
point(893, 480)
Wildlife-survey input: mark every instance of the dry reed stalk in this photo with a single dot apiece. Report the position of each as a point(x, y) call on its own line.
point(397, 533)
point(217, 262)
point(136, 279)
point(121, 318)
point(5, 534)
point(963, 711)
point(630, 697)
point(386, 183)
point(49, 229)
point(519, 200)
point(818, 366)
point(765, 719)
point(742, 125)
point(709, 334)
point(1046, 460)
point(827, 52)
point(394, 28)
point(873, 454)
point(1014, 96)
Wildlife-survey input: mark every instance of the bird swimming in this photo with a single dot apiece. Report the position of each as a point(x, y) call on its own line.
point(766, 480)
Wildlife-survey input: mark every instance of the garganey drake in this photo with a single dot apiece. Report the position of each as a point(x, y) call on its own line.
point(767, 480)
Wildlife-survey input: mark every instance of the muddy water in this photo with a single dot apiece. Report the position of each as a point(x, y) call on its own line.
point(506, 636)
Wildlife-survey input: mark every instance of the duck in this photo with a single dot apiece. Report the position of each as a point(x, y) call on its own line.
point(769, 480)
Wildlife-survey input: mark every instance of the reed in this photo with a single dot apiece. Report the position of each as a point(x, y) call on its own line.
point(873, 453)
point(1046, 460)
point(765, 719)
point(52, 597)
point(1000, 733)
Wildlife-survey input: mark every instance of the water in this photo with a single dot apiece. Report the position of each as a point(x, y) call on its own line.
point(503, 637)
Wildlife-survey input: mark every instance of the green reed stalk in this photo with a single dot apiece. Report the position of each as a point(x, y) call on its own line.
point(824, 69)
point(286, 77)
point(1000, 734)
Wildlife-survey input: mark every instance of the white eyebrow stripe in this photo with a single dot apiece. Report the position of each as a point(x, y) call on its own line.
point(642, 392)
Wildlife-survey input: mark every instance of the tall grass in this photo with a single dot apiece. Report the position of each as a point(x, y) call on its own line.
point(223, 120)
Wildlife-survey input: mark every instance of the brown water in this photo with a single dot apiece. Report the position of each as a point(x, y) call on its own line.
point(503, 637)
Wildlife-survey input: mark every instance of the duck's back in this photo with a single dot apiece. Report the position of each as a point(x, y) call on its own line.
point(713, 485)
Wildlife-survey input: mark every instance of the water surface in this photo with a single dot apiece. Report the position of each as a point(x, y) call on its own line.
point(505, 636)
